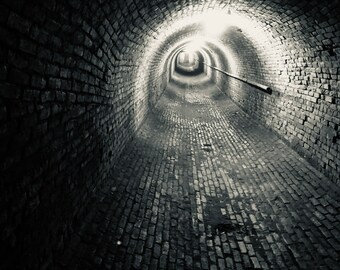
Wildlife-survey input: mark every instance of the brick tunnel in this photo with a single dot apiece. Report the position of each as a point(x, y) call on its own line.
point(155, 134)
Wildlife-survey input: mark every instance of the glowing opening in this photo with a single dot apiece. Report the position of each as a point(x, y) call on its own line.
point(187, 58)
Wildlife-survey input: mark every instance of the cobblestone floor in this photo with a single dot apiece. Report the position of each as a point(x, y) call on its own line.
point(203, 186)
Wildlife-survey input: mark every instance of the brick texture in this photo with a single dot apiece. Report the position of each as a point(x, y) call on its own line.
point(213, 190)
point(299, 60)
point(77, 79)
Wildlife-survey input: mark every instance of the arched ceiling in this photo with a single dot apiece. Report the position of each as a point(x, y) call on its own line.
point(270, 29)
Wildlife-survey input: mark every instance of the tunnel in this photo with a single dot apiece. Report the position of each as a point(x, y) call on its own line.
point(182, 134)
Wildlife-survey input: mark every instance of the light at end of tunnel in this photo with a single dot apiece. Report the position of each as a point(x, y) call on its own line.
point(194, 46)
point(215, 22)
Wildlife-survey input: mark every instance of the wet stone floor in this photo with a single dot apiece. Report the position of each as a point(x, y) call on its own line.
point(204, 186)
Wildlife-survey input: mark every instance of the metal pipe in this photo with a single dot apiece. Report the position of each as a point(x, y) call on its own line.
point(262, 87)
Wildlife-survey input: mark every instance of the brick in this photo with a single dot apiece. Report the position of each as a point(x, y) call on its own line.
point(18, 23)
point(38, 82)
point(3, 72)
point(329, 99)
point(27, 46)
point(81, 78)
point(275, 235)
point(17, 60)
point(19, 77)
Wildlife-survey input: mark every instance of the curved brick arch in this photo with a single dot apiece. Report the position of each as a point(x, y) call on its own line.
point(75, 82)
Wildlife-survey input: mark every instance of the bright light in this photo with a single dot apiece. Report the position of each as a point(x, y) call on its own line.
point(215, 22)
point(195, 45)
point(187, 57)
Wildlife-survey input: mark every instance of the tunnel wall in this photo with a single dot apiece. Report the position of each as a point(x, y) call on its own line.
point(249, 64)
point(67, 109)
point(157, 78)
point(76, 83)
point(299, 60)
point(221, 62)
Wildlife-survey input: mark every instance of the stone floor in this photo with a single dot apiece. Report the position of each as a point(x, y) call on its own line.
point(204, 186)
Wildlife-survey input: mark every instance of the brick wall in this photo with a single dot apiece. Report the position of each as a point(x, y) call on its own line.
point(298, 57)
point(77, 78)
point(67, 96)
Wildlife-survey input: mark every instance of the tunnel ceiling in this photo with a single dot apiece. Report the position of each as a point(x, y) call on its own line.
point(282, 19)
point(78, 78)
point(290, 46)
point(284, 27)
